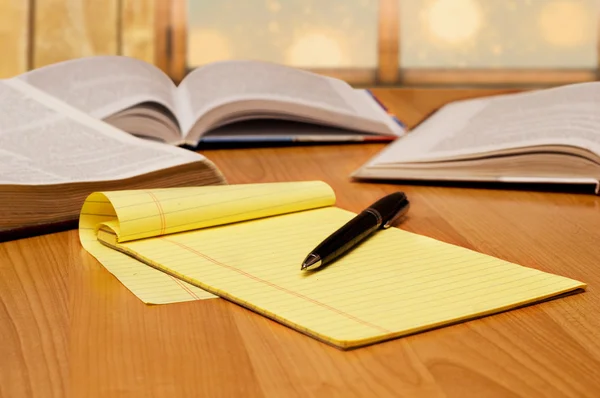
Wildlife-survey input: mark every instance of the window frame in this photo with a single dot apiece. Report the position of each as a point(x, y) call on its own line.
point(172, 52)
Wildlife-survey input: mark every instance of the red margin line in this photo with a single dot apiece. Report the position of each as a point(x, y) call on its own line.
point(339, 312)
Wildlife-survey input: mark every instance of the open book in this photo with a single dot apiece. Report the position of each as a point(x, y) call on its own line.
point(220, 102)
point(245, 243)
point(543, 136)
point(52, 156)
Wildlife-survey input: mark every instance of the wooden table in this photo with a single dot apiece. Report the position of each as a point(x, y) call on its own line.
point(68, 327)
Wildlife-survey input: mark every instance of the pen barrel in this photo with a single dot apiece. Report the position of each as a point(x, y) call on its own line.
point(348, 236)
point(380, 214)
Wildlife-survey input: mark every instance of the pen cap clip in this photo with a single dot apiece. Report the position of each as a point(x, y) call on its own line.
point(391, 208)
point(401, 212)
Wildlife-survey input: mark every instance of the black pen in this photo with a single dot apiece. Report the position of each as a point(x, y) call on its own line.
point(380, 214)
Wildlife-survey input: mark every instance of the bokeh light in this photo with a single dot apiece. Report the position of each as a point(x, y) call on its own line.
point(433, 33)
point(300, 33)
point(316, 49)
point(209, 45)
point(454, 21)
point(565, 23)
point(548, 34)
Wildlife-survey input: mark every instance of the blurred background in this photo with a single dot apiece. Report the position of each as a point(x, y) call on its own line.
point(365, 42)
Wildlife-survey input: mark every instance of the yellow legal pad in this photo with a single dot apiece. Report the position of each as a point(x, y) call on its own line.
point(245, 243)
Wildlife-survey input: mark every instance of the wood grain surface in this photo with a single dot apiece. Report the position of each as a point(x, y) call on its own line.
point(69, 328)
point(71, 29)
point(14, 37)
point(138, 29)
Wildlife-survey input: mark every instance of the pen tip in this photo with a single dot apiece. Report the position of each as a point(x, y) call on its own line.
point(311, 262)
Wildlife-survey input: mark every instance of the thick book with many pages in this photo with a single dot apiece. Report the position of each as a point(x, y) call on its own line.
point(222, 102)
point(245, 243)
point(114, 122)
point(53, 155)
point(546, 136)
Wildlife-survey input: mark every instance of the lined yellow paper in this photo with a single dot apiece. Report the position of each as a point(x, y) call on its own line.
point(141, 213)
point(395, 283)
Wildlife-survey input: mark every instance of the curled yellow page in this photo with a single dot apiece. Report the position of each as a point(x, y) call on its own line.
point(139, 214)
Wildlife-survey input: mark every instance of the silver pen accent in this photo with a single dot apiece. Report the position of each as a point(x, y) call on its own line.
point(380, 215)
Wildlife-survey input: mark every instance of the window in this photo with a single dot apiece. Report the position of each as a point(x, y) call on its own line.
point(410, 42)
point(338, 36)
point(519, 40)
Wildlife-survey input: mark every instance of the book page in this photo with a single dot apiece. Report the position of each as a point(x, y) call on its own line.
point(46, 141)
point(394, 283)
point(298, 92)
point(104, 85)
point(567, 115)
point(141, 214)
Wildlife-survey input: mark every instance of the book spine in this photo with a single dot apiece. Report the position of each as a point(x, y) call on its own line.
point(386, 109)
point(292, 139)
point(238, 139)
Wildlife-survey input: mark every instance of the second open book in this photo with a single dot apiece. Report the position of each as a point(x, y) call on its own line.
point(245, 243)
point(549, 136)
point(229, 101)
